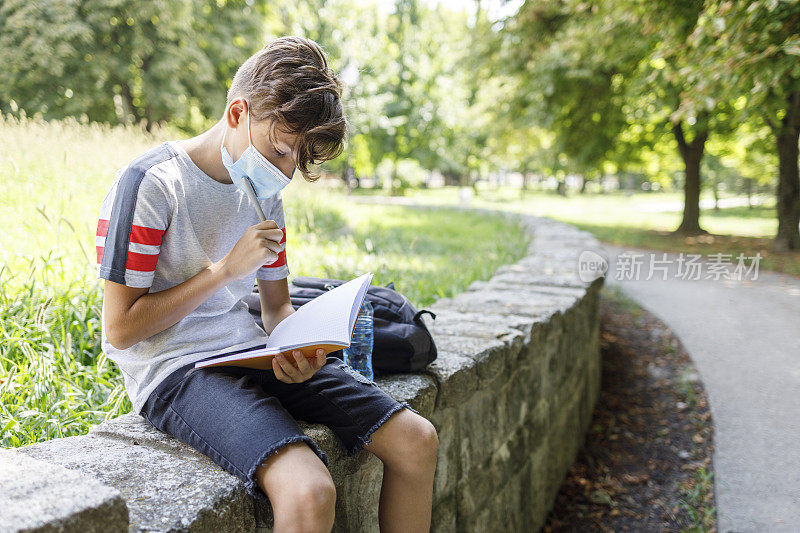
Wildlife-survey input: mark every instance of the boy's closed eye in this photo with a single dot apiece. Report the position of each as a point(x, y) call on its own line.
point(280, 151)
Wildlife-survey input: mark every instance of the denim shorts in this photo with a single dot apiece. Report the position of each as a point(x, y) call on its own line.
point(238, 416)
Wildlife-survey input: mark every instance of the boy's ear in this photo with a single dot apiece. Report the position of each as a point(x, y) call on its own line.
point(237, 107)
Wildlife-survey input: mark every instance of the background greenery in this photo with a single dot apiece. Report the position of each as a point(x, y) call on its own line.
point(54, 379)
point(620, 116)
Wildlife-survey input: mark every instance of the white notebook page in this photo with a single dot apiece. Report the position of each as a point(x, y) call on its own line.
point(325, 319)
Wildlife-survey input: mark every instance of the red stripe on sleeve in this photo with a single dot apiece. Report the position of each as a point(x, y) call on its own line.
point(136, 261)
point(102, 227)
point(141, 262)
point(283, 239)
point(280, 261)
point(145, 235)
point(139, 234)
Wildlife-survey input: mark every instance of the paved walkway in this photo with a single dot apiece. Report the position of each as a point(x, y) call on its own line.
point(744, 338)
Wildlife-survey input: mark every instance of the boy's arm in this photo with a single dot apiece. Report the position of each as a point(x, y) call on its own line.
point(128, 241)
point(132, 314)
point(275, 302)
point(273, 286)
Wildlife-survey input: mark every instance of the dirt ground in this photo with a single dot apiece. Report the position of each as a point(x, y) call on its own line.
point(646, 463)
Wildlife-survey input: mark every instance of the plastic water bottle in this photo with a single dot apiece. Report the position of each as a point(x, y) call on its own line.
point(359, 354)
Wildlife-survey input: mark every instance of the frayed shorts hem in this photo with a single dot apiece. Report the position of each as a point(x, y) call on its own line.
point(239, 416)
point(252, 486)
point(367, 437)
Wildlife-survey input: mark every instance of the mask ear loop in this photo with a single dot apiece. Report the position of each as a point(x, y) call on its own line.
point(250, 143)
point(259, 153)
point(224, 135)
point(249, 140)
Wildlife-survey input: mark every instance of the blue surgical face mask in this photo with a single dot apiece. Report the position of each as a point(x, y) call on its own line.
point(267, 179)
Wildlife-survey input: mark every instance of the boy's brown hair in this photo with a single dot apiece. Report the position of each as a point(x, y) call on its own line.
point(289, 81)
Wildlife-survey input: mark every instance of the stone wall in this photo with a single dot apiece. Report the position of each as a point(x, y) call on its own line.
point(511, 395)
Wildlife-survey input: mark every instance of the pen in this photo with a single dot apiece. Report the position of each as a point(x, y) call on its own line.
point(251, 193)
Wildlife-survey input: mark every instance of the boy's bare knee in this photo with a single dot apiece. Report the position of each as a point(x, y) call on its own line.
point(300, 489)
point(424, 439)
point(416, 448)
point(317, 496)
point(295, 477)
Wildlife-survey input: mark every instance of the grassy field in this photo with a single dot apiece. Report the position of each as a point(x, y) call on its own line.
point(635, 221)
point(54, 379)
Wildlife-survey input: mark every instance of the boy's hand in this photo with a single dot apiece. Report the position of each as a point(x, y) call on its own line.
point(302, 368)
point(259, 245)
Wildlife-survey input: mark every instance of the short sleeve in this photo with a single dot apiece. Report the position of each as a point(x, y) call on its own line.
point(133, 219)
point(279, 269)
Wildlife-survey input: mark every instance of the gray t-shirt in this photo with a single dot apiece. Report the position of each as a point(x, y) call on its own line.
point(162, 221)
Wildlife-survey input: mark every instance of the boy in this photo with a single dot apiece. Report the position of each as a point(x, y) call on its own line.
point(179, 245)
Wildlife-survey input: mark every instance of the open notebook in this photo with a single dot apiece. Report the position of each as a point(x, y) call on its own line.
point(325, 322)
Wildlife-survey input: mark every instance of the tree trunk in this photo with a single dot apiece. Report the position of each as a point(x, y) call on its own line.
point(392, 189)
point(692, 155)
point(749, 188)
point(788, 237)
point(348, 176)
point(525, 178)
point(127, 95)
point(148, 115)
point(788, 201)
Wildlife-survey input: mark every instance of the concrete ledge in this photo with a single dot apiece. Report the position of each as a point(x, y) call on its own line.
point(40, 496)
point(511, 395)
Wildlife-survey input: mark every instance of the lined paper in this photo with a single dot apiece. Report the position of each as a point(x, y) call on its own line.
point(327, 319)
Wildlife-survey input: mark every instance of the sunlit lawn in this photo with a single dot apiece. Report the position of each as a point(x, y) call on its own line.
point(54, 380)
point(631, 221)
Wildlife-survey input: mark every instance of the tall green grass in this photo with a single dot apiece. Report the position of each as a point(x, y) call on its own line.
point(54, 379)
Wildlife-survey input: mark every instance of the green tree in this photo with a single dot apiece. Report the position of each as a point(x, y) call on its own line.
point(752, 49)
point(123, 61)
point(572, 59)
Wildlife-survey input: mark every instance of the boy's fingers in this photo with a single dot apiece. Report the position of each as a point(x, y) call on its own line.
point(288, 368)
point(288, 372)
point(279, 373)
point(302, 363)
point(271, 234)
point(267, 224)
point(272, 246)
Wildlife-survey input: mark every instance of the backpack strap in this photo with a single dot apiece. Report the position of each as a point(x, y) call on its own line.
point(418, 314)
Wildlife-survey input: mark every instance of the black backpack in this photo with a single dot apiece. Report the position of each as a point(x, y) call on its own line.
point(402, 342)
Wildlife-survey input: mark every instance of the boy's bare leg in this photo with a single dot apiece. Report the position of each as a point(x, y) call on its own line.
point(300, 489)
point(407, 444)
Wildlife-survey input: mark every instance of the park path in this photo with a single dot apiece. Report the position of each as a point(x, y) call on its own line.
point(744, 338)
